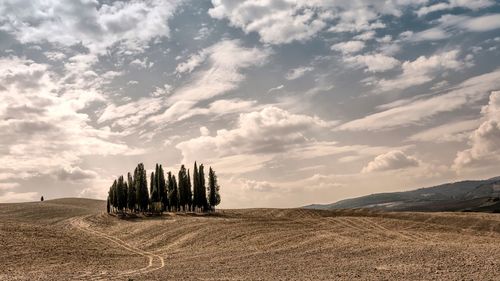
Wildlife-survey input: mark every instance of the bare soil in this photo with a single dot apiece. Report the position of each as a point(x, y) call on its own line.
point(72, 239)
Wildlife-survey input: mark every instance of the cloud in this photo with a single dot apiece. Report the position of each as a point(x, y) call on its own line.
point(14, 197)
point(422, 70)
point(373, 62)
point(141, 63)
point(450, 132)
point(349, 47)
point(485, 140)
point(276, 22)
point(447, 5)
point(75, 174)
point(298, 72)
point(392, 160)
point(259, 186)
point(193, 61)
point(270, 130)
point(277, 88)
point(431, 34)
point(54, 56)
point(42, 126)
point(8, 185)
point(365, 36)
point(227, 59)
point(281, 22)
point(482, 23)
point(130, 24)
point(161, 91)
point(412, 111)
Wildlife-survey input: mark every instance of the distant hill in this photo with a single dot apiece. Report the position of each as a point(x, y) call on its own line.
point(478, 195)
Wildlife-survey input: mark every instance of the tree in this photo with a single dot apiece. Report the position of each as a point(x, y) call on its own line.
point(196, 190)
point(201, 185)
point(113, 194)
point(125, 194)
point(131, 200)
point(163, 190)
point(121, 189)
point(41, 199)
point(141, 186)
point(152, 188)
point(213, 190)
point(108, 207)
point(162, 187)
point(173, 193)
point(183, 188)
point(189, 192)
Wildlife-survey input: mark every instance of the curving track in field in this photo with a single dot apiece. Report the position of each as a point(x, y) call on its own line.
point(155, 262)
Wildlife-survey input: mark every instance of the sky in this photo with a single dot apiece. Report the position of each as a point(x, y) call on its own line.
point(291, 102)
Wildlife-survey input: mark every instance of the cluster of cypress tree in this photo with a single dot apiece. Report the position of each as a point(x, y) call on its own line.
point(165, 194)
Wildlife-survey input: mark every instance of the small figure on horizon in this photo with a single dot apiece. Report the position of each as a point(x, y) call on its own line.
point(41, 199)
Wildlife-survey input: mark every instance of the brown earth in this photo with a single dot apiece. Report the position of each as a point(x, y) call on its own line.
point(72, 239)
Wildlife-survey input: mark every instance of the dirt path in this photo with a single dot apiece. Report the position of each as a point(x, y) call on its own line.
point(155, 261)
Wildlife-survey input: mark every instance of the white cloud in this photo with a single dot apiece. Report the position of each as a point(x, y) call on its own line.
point(482, 23)
point(130, 24)
point(141, 63)
point(485, 140)
point(450, 132)
point(130, 113)
point(268, 131)
point(42, 125)
point(349, 47)
point(275, 22)
point(365, 36)
point(162, 91)
point(227, 58)
point(420, 109)
point(204, 131)
point(447, 5)
point(54, 56)
point(277, 88)
point(373, 62)
point(392, 160)
point(8, 185)
point(259, 186)
point(422, 70)
point(14, 197)
point(279, 22)
point(431, 34)
point(298, 72)
point(193, 61)
point(75, 174)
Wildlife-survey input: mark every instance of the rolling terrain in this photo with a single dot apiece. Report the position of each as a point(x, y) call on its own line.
point(475, 196)
point(73, 239)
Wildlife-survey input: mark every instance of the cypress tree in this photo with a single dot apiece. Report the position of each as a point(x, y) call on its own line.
point(213, 190)
point(141, 185)
point(107, 205)
point(170, 188)
point(131, 200)
point(114, 189)
point(173, 193)
point(111, 194)
point(121, 194)
point(183, 186)
point(152, 187)
point(196, 190)
point(189, 192)
point(162, 188)
point(202, 188)
point(125, 194)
